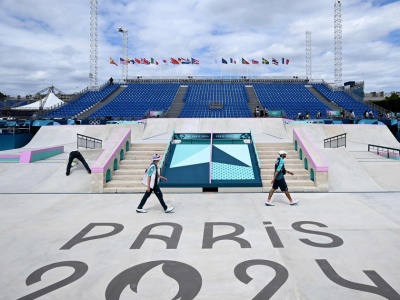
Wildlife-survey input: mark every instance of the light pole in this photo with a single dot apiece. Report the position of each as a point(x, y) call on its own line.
point(124, 52)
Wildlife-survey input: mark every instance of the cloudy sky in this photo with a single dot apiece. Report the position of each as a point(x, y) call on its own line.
point(47, 42)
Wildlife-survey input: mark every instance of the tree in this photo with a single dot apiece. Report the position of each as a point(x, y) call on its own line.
point(391, 103)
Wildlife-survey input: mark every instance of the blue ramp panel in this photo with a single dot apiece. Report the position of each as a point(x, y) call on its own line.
point(233, 165)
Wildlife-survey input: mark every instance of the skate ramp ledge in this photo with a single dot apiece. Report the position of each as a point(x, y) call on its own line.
point(318, 169)
point(29, 156)
point(109, 160)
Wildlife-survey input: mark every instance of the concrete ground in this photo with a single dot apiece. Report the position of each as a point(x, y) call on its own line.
point(58, 241)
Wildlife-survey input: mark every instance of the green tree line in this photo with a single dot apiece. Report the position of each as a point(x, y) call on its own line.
point(391, 103)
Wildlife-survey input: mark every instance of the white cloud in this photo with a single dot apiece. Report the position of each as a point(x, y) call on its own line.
point(47, 42)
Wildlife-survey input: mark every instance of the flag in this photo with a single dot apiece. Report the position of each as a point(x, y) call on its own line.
point(254, 62)
point(244, 62)
point(137, 60)
point(132, 62)
point(275, 62)
point(174, 61)
point(195, 61)
point(283, 61)
point(185, 61)
point(112, 62)
point(153, 61)
point(233, 61)
point(165, 61)
point(287, 61)
point(128, 60)
point(122, 61)
point(224, 61)
point(145, 61)
point(265, 61)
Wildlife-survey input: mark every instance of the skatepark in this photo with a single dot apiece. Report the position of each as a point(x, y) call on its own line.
point(79, 237)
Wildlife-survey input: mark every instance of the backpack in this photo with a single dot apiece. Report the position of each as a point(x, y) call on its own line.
point(277, 164)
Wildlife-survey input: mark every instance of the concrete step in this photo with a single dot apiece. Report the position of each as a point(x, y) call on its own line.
point(142, 167)
point(145, 147)
point(130, 171)
point(124, 183)
point(274, 152)
point(134, 162)
point(292, 177)
point(297, 172)
point(138, 156)
point(292, 183)
point(274, 156)
point(129, 190)
point(292, 189)
point(290, 166)
point(128, 177)
point(293, 161)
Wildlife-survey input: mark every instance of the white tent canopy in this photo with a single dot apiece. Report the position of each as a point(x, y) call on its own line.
point(50, 101)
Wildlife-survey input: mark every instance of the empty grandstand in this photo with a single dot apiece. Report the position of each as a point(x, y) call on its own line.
point(216, 100)
point(138, 99)
point(289, 97)
point(87, 100)
point(342, 99)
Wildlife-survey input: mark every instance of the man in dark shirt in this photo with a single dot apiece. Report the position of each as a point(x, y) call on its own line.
point(76, 154)
point(279, 180)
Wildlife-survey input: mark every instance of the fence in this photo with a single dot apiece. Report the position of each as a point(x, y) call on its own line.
point(335, 141)
point(388, 150)
point(88, 142)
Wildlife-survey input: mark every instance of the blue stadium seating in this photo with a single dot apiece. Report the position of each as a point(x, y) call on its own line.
point(342, 99)
point(290, 97)
point(232, 97)
point(137, 99)
point(86, 100)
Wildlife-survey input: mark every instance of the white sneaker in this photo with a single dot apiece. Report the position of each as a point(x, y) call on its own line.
point(169, 209)
point(141, 210)
point(269, 204)
point(294, 202)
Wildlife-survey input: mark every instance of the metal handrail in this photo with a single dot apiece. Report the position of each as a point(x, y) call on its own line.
point(335, 138)
point(95, 143)
point(378, 148)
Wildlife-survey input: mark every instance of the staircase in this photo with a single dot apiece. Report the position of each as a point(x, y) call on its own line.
point(268, 153)
point(128, 178)
point(253, 99)
point(100, 104)
point(177, 105)
point(322, 98)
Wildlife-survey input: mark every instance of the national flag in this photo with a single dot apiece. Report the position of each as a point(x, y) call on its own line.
point(185, 61)
point(275, 62)
point(145, 61)
point(244, 62)
point(195, 61)
point(165, 61)
point(122, 61)
point(265, 61)
point(174, 61)
point(254, 62)
point(233, 61)
point(224, 61)
point(112, 62)
point(287, 61)
point(128, 60)
point(283, 61)
point(132, 62)
point(137, 60)
point(153, 61)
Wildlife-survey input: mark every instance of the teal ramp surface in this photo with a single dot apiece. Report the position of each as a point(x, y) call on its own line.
point(233, 165)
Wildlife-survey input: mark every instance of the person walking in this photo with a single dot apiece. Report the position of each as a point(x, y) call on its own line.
point(151, 181)
point(279, 180)
point(76, 154)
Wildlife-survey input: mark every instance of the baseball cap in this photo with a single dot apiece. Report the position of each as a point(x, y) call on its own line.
point(156, 157)
point(281, 152)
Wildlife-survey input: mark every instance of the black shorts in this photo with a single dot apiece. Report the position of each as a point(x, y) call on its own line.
point(281, 183)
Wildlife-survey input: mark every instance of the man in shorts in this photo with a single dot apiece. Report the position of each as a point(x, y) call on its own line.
point(279, 180)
